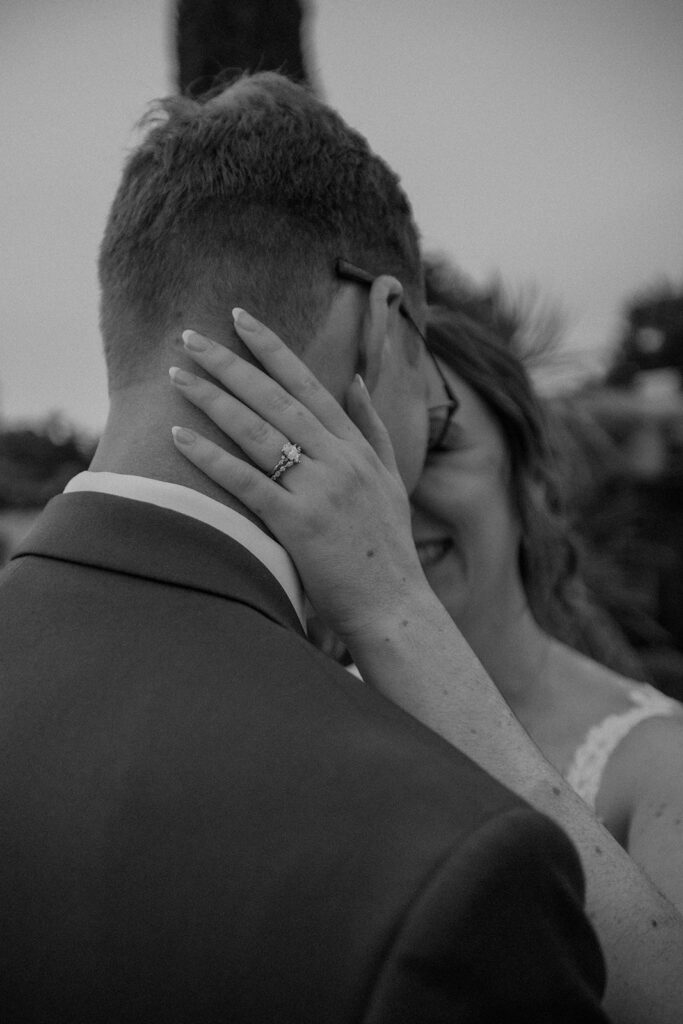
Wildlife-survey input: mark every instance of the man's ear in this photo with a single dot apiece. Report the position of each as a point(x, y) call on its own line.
point(380, 323)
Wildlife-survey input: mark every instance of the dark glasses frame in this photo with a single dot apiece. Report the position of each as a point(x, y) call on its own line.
point(347, 271)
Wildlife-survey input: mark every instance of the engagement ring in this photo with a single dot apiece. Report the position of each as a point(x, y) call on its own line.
point(290, 454)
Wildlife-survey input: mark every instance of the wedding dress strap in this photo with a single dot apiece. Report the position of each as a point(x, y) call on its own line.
point(585, 772)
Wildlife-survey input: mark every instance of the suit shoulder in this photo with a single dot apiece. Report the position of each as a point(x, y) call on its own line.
point(497, 927)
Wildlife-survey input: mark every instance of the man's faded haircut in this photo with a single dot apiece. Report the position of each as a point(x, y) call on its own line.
point(245, 199)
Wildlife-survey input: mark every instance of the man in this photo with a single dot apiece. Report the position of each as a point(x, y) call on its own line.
point(205, 819)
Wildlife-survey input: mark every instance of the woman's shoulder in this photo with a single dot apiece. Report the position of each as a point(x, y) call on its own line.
point(613, 725)
point(645, 766)
point(631, 746)
point(613, 705)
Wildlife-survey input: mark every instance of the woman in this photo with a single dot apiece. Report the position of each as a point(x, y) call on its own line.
point(343, 516)
point(497, 551)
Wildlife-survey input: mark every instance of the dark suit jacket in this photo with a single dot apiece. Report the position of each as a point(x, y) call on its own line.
point(203, 819)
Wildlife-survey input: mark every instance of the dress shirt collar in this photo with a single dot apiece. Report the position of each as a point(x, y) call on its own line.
point(189, 502)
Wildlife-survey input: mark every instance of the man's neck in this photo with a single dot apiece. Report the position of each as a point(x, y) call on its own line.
point(137, 441)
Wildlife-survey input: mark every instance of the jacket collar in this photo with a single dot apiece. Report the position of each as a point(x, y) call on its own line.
point(120, 535)
point(190, 502)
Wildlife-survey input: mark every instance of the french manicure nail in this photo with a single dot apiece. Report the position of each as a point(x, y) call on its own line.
point(244, 320)
point(179, 376)
point(196, 342)
point(182, 435)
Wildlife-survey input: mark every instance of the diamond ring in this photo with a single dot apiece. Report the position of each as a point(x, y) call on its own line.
point(290, 454)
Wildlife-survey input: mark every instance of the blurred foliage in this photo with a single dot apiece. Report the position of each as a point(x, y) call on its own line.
point(218, 39)
point(631, 549)
point(652, 337)
point(604, 510)
point(37, 460)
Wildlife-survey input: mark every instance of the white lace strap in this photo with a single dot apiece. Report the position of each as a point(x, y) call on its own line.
point(588, 765)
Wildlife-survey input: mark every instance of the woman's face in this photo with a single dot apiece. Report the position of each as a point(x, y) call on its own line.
point(465, 528)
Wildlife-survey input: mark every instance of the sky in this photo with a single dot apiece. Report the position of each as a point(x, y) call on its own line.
point(539, 140)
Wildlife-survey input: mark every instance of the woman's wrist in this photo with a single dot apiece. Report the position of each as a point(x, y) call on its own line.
point(409, 611)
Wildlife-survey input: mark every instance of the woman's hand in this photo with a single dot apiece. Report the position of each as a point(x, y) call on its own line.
point(341, 512)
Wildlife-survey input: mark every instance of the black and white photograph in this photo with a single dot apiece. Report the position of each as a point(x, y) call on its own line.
point(341, 512)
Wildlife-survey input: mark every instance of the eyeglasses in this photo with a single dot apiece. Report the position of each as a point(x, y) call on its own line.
point(440, 416)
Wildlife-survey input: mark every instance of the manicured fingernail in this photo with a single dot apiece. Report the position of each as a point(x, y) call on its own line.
point(244, 320)
point(196, 342)
point(181, 435)
point(181, 377)
point(361, 383)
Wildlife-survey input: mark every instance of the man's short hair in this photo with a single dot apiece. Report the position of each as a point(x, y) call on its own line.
point(245, 199)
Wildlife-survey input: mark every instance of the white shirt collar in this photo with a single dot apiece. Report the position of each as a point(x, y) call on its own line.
point(191, 503)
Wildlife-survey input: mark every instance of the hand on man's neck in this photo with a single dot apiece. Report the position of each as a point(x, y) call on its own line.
point(137, 441)
point(137, 438)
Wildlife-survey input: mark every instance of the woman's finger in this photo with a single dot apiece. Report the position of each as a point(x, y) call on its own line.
point(361, 410)
point(258, 391)
point(284, 366)
point(257, 438)
point(246, 483)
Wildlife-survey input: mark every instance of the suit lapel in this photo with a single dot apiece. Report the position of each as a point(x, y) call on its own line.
point(139, 539)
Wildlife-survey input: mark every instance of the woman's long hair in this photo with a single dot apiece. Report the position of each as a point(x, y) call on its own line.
point(550, 554)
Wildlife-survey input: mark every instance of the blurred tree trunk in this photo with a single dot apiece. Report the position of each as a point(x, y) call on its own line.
point(217, 38)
